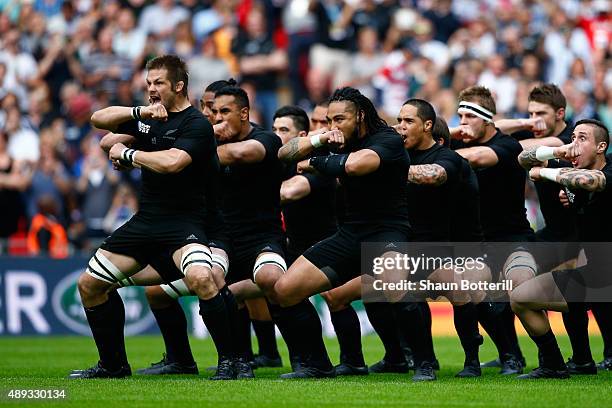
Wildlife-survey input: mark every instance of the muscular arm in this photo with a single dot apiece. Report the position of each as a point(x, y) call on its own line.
point(429, 174)
point(110, 139)
point(110, 118)
point(527, 159)
point(248, 151)
point(590, 180)
point(295, 149)
point(362, 162)
point(479, 156)
point(165, 161)
point(551, 141)
point(294, 189)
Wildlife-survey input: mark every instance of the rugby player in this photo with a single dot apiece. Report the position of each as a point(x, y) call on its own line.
point(176, 143)
point(372, 166)
point(587, 189)
point(502, 206)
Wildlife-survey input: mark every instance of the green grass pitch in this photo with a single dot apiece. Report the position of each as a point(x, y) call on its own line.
point(43, 362)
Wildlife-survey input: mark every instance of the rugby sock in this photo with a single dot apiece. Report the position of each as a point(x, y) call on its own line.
point(348, 330)
point(286, 331)
point(302, 319)
point(576, 323)
point(602, 311)
point(549, 350)
point(466, 324)
point(507, 317)
point(383, 321)
point(489, 318)
point(173, 326)
point(266, 337)
point(426, 315)
point(413, 324)
point(240, 324)
point(107, 322)
point(217, 321)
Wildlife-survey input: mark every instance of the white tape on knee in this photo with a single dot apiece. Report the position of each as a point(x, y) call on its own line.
point(269, 258)
point(102, 269)
point(220, 261)
point(176, 289)
point(196, 255)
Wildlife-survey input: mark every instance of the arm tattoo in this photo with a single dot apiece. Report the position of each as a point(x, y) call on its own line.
point(527, 158)
point(590, 180)
point(430, 174)
point(290, 151)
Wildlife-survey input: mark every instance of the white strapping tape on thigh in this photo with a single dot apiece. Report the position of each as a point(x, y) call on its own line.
point(102, 269)
point(221, 261)
point(521, 260)
point(126, 282)
point(196, 255)
point(176, 289)
point(269, 258)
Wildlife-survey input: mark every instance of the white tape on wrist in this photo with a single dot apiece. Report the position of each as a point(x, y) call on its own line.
point(544, 153)
point(550, 174)
point(315, 141)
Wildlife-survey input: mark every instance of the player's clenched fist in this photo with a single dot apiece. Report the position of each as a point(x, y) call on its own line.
point(156, 111)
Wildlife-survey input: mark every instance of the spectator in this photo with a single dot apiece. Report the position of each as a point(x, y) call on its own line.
point(260, 63)
point(124, 205)
point(95, 186)
point(46, 234)
point(366, 62)
point(49, 178)
point(11, 183)
point(22, 141)
point(206, 67)
point(129, 41)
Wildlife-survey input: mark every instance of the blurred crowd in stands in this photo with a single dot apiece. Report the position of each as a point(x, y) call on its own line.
point(62, 59)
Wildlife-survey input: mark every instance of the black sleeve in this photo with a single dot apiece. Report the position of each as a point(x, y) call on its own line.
point(389, 148)
point(196, 138)
point(129, 128)
point(607, 171)
point(271, 143)
point(522, 135)
point(507, 150)
point(451, 164)
point(319, 182)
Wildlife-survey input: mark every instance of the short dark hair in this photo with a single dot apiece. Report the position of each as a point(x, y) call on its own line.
point(176, 67)
point(239, 94)
point(440, 131)
point(371, 119)
point(425, 111)
point(548, 94)
point(218, 85)
point(600, 131)
point(480, 95)
point(297, 114)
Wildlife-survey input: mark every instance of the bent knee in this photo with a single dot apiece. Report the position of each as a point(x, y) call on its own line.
point(201, 282)
point(267, 277)
point(89, 286)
